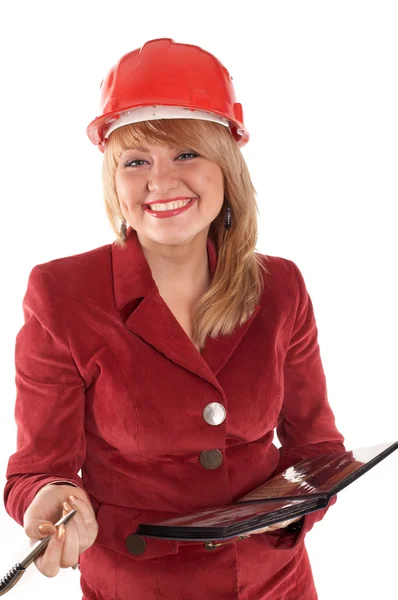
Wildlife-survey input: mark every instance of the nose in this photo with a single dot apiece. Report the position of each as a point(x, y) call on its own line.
point(162, 177)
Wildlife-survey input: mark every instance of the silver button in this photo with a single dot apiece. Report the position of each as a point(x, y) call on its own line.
point(214, 413)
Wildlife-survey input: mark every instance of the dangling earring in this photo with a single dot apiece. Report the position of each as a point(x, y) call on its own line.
point(123, 230)
point(228, 216)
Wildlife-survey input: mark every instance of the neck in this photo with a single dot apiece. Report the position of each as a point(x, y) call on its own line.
point(179, 270)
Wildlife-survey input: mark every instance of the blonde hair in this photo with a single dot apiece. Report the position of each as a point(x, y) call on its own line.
point(238, 282)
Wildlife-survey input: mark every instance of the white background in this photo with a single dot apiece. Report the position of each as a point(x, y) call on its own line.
point(318, 85)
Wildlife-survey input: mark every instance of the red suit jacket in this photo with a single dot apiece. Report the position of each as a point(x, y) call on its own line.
point(109, 384)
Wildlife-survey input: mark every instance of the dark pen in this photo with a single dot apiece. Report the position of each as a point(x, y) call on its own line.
point(15, 574)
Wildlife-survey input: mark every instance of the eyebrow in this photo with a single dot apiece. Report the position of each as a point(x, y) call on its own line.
point(146, 150)
point(139, 148)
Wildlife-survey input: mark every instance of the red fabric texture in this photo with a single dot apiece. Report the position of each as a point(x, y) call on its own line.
point(109, 383)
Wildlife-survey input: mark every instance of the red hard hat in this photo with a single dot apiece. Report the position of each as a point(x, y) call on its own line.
point(164, 80)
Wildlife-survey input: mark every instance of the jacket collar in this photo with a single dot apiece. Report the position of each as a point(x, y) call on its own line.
point(152, 320)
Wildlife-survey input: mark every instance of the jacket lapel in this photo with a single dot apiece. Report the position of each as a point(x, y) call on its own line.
point(152, 320)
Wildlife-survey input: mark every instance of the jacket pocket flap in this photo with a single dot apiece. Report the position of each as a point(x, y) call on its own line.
point(116, 530)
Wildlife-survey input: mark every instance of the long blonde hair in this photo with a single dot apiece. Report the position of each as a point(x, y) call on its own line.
point(238, 282)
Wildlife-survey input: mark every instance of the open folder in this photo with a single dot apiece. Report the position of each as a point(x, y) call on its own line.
point(302, 488)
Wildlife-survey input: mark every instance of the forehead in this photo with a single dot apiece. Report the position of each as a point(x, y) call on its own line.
point(151, 148)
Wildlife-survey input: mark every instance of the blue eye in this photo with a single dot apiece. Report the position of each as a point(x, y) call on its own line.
point(137, 160)
point(130, 162)
point(188, 154)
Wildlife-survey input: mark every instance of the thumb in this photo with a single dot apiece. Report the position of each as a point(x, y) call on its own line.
point(43, 510)
point(39, 528)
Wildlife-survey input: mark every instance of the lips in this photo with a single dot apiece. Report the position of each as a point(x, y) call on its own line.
point(168, 200)
point(162, 214)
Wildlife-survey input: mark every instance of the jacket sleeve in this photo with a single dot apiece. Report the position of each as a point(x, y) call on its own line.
point(306, 424)
point(49, 408)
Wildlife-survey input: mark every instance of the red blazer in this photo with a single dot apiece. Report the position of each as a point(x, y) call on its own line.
point(109, 383)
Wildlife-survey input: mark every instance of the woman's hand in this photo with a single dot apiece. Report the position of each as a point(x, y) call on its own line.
point(46, 508)
point(275, 526)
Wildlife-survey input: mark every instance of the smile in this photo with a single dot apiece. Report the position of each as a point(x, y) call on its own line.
point(169, 209)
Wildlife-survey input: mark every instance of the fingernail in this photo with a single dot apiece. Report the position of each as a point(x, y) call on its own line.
point(46, 529)
point(68, 507)
point(72, 499)
point(59, 536)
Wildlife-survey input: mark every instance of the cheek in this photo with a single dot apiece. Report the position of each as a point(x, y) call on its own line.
point(120, 185)
point(213, 181)
point(126, 190)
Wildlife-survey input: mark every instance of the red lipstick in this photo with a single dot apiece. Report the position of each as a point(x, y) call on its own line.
point(168, 200)
point(163, 214)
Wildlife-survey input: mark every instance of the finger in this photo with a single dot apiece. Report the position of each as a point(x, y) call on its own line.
point(70, 550)
point(263, 530)
point(281, 525)
point(87, 526)
point(276, 526)
point(284, 524)
point(296, 519)
point(39, 528)
point(272, 527)
point(34, 517)
point(82, 531)
point(49, 562)
point(44, 529)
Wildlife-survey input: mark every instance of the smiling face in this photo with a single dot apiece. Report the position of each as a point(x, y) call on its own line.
point(164, 172)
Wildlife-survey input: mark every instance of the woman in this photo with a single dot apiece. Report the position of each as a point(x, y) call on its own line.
point(161, 364)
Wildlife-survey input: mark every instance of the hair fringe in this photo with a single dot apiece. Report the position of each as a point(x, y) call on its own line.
point(238, 281)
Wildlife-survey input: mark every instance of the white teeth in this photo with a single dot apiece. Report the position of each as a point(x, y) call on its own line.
point(169, 205)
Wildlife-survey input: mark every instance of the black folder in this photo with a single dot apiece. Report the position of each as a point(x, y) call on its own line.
point(301, 489)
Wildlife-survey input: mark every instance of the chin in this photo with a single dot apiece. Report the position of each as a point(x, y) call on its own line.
point(175, 238)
